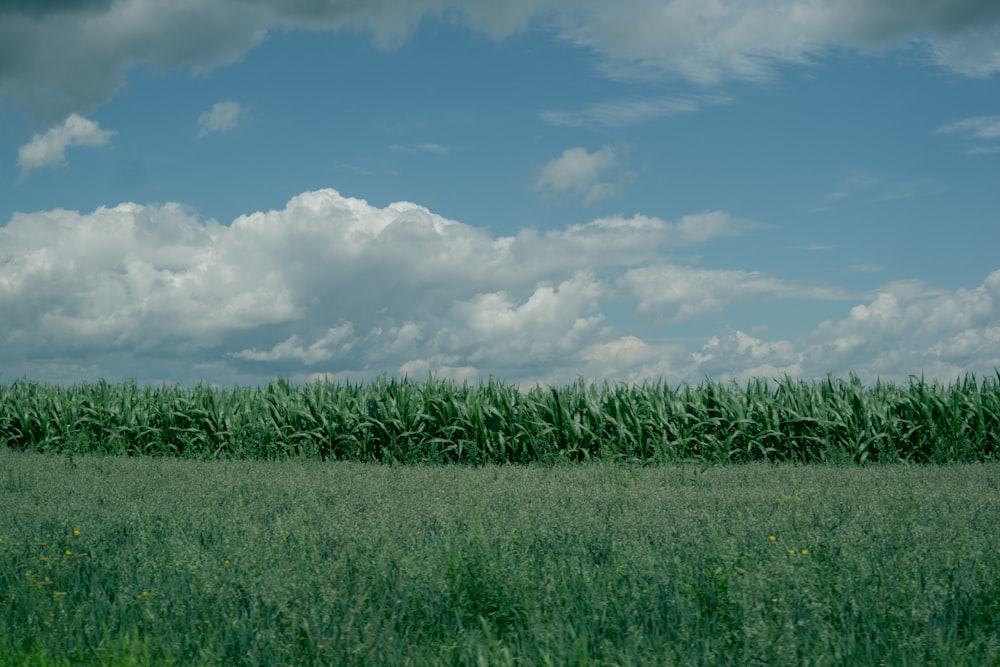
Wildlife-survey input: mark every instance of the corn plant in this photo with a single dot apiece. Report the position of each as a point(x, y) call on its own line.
point(438, 421)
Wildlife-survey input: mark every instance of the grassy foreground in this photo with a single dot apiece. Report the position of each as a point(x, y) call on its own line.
point(116, 560)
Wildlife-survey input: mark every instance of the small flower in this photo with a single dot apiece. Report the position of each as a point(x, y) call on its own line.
point(225, 562)
point(804, 552)
point(76, 532)
point(145, 593)
point(45, 559)
point(69, 552)
point(772, 538)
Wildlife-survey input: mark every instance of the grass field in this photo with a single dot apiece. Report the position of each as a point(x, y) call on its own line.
point(142, 560)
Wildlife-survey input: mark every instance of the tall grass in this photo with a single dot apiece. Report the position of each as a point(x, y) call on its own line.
point(124, 561)
point(392, 420)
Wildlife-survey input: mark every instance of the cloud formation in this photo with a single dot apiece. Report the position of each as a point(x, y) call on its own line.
point(578, 173)
point(49, 149)
point(706, 41)
point(331, 286)
point(223, 116)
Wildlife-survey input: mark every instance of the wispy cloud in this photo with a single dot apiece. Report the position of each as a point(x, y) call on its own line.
point(222, 117)
point(866, 267)
point(622, 113)
point(878, 188)
point(981, 127)
point(425, 147)
point(49, 149)
point(985, 129)
point(852, 185)
point(910, 189)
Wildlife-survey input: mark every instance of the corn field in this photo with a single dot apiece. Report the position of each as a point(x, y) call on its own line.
point(438, 421)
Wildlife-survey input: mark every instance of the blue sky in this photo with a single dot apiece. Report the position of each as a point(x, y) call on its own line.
point(227, 191)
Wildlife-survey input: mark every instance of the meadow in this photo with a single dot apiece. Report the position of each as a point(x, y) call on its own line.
point(117, 560)
point(400, 523)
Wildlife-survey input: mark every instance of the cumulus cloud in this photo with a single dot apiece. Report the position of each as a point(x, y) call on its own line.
point(328, 284)
point(331, 286)
point(703, 40)
point(736, 355)
point(49, 149)
point(904, 328)
point(578, 173)
point(223, 116)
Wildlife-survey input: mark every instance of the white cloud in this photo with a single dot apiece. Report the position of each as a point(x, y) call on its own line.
point(577, 173)
point(904, 329)
point(703, 40)
point(223, 116)
point(324, 348)
point(49, 149)
point(739, 356)
point(331, 286)
point(710, 40)
point(907, 328)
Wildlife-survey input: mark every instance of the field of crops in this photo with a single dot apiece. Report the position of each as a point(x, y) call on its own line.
point(643, 524)
point(834, 420)
point(140, 560)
